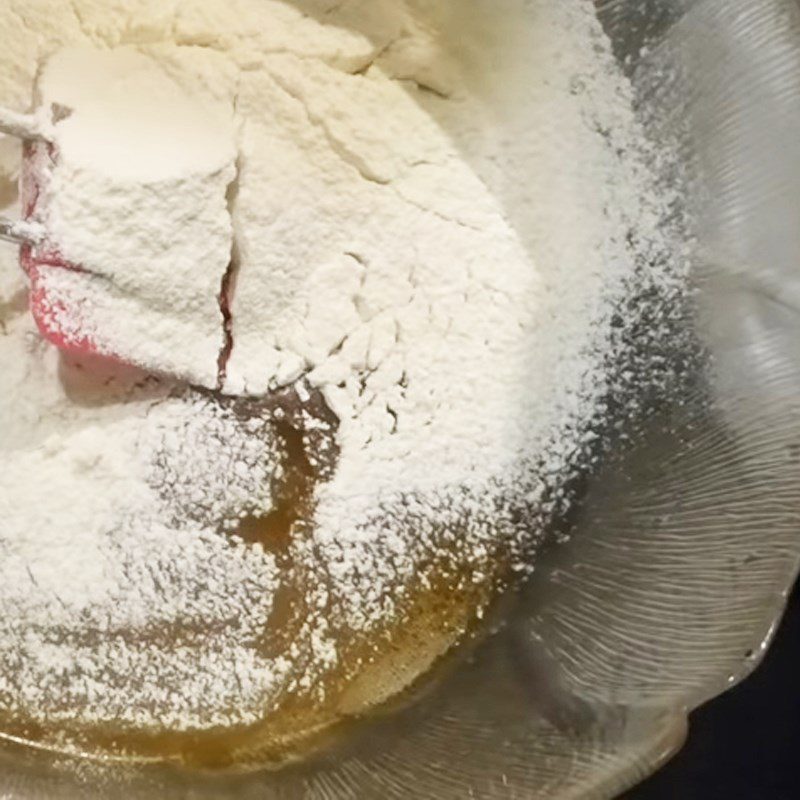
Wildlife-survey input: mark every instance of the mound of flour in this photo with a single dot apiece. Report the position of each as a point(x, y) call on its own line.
point(436, 217)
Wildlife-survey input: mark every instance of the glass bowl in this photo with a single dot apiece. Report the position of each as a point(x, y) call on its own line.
point(684, 545)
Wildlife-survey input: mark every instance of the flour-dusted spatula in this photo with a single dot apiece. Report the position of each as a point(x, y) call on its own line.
point(125, 233)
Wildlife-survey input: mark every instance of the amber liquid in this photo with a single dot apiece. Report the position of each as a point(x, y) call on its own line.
point(371, 669)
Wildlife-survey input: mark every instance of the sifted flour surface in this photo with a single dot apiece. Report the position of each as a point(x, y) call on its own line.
point(433, 221)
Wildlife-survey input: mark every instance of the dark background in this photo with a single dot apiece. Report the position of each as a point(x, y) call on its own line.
point(746, 744)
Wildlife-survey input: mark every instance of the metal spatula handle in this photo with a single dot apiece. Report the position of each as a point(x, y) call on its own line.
point(20, 232)
point(28, 127)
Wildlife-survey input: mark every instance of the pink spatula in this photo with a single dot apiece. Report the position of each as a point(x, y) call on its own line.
point(125, 234)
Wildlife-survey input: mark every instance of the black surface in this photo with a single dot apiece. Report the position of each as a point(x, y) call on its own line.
point(745, 744)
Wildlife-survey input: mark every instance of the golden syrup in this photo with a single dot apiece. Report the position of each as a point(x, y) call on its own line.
point(371, 668)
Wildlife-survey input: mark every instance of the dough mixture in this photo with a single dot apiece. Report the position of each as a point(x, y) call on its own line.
point(363, 259)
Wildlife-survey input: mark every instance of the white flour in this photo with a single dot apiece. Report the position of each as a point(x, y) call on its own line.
point(432, 228)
